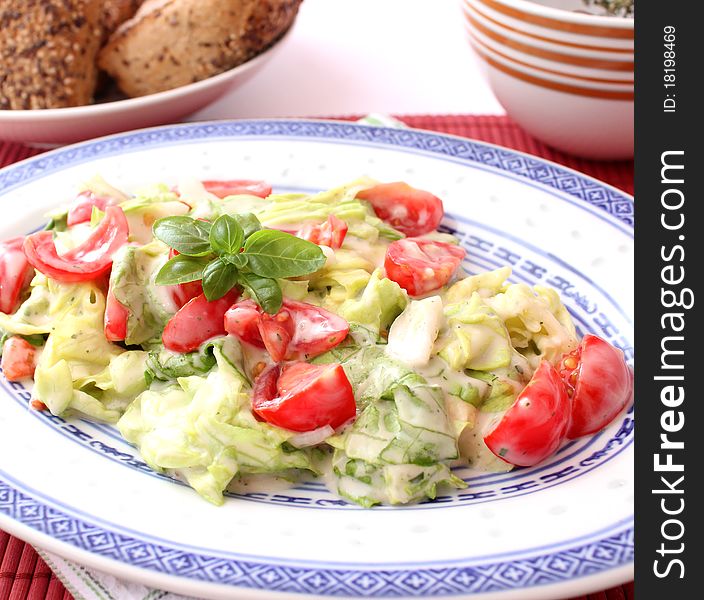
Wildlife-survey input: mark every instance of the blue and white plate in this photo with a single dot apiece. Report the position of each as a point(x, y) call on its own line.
point(556, 530)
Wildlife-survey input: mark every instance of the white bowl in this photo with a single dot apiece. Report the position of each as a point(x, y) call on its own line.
point(580, 124)
point(558, 50)
point(575, 99)
point(561, 25)
point(484, 40)
point(56, 126)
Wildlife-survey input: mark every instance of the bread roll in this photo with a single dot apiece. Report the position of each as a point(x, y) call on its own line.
point(48, 52)
point(116, 12)
point(170, 43)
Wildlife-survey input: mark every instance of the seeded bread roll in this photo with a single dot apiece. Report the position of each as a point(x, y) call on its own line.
point(170, 43)
point(48, 52)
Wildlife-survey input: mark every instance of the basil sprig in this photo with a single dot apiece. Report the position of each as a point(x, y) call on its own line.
point(234, 250)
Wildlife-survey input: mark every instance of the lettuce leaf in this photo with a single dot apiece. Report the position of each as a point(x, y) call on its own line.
point(75, 357)
point(476, 337)
point(132, 282)
point(538, 323)
point(203, 429)
point(381, 301)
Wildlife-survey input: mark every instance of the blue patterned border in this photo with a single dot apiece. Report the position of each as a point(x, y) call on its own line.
point(613, 551)
point(544, 569)
point(566, 181)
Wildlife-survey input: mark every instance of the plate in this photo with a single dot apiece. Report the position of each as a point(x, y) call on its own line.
point(54, 126)
point(559, 529)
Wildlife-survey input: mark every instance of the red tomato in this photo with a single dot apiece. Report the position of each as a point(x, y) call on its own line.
point(85, 262)
point(115, 320)
point(316, 330)
point(599, 382)
point(276, 332)
point(411, 211)
point(222, 189)
point(330, 233)
point(242, 321)
point(298, 331)
point(183, 292)
point(535, 426)
point(302, 397)
point(196, 322)
point(421, 266)
point(15, 273)
point(82, 210)
point(19, 359)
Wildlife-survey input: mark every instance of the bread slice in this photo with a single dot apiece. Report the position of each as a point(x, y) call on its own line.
point(48, 52)
point(170, 43)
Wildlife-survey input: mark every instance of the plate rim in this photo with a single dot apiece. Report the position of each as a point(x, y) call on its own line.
point(23, 168)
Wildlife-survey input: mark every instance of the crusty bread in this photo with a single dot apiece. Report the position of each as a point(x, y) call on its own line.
point(116, 12)
point(170, 43)
point(48, 52)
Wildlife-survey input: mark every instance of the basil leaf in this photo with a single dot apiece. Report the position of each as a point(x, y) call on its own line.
point(266, 292)
point(239, 260)
point(184, 234)
point(248, 222)
point(226, 235)
point(219, 277)
point(274, 253)
point(181, 269)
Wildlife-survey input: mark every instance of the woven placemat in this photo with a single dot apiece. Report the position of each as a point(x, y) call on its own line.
point(25, 576)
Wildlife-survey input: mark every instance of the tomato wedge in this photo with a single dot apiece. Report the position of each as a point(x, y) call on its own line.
point(303, 397)
point(232, 187)
point(85, 262)
point(411, 211)
point(276, 333)
point(535, 426)
point(242, 320)
point(115, 320)
point(599, 382)
point(19, 359)
point(82, 209)
point(196, 322)
point(183, 292)
point(329, 233)
point(298, 331)
point(420, 266)
point(15, 273)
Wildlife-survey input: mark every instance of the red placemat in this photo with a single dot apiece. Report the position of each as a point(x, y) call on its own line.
point(25, 576)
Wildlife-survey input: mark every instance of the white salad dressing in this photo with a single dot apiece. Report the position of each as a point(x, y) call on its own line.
point(373, 252)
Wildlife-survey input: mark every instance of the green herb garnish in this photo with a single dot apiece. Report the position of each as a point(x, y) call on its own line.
point(234, 250)
point(616, 8)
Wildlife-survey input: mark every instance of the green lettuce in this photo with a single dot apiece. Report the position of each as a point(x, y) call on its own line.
point(202, 429)
point(485, 284)
point(294, 209)
point(381, 301)
point(476, 337)
point(399, 447)
point(75, 358)
point(132, 283)
point(538, 323)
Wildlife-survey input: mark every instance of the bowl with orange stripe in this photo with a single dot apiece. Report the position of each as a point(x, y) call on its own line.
point(575, 96)
point(563, 21)
point(554, 55)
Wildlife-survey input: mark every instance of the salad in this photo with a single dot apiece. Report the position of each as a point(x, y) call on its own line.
point(230, 332)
